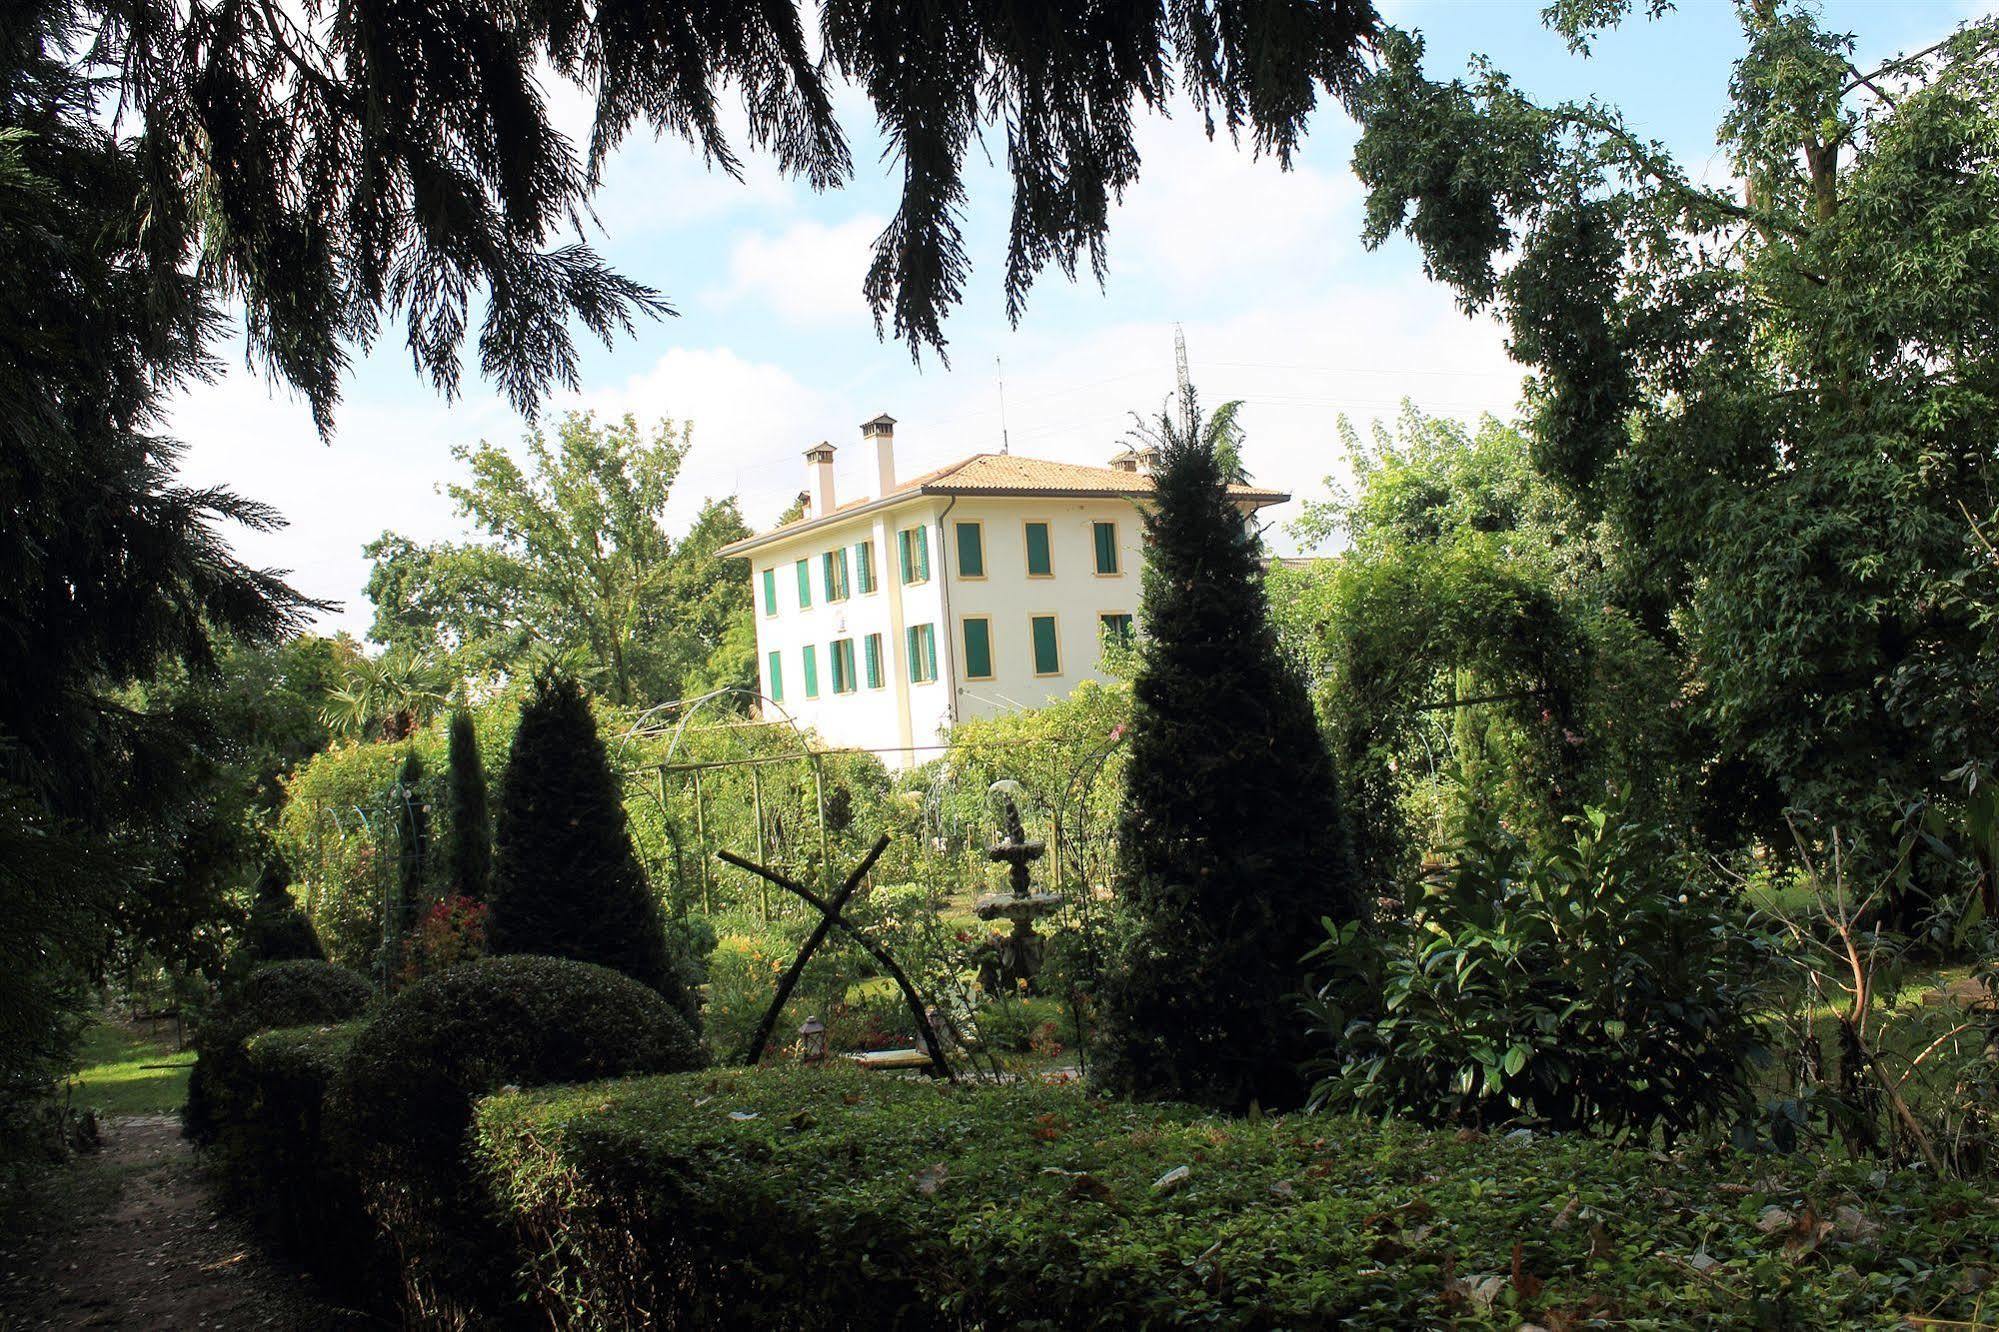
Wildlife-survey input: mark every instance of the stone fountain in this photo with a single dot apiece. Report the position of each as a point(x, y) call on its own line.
point(1013, 959)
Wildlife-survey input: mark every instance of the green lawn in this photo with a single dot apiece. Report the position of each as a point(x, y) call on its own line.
point(117, 1073)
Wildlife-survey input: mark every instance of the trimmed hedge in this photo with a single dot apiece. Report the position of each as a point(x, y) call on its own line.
point(312, 1202)
point(406, 1094)
point(413, 1073)
point(827, 1198)
point(276, 994)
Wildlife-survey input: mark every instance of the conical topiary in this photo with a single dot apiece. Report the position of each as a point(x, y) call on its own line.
point(276, 931)
point(471, 848)
point(566, 882)
point(1232, 841)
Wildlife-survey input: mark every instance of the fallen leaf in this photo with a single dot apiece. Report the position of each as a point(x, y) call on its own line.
point(1524, 1282)
point(1774, 1219)
point(931, 1178)
point(1567, 1214)
point(740, 1116)
point(1853, 1224)
point(1172, 1180)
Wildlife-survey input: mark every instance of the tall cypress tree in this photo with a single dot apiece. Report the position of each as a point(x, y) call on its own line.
point(471, 818)
point(1232, 842)
point(566, 882)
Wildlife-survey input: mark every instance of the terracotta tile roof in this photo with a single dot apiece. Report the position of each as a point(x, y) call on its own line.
point(1000, 474)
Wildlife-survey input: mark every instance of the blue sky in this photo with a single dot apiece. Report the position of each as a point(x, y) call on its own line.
point(773, 349)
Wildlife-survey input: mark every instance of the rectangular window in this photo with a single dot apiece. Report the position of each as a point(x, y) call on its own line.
point(836, 574)
point(1047, 653)
point(776, 676)
point(864, 566)
point(1106, 539)
point(922, 653)
point(811, 671)
point(770, 591)
point(1115, 628)
point(872, 650)
point(971, 550)
point(804, 584)
point(915, 552)
point(978, 648)
point(1040, 564)
point(843, 666)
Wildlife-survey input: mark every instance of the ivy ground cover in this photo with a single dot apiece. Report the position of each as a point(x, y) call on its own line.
point(798, 1197)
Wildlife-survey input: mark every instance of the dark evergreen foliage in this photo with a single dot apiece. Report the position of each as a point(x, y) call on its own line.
point(414, 842)
point(277, 931)
point(339, 164)
point(566, 882)
point(1233, 841)
point(471, 868)
point(277, 994)
point(109, 570)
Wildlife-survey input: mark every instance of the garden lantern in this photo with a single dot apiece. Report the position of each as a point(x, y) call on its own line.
point(812, 1041)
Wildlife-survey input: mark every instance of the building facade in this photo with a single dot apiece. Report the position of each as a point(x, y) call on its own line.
point(980, 588)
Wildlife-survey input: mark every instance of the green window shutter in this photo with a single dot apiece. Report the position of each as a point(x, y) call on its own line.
point(1047, 655)
point(804, 584)
point(1106, 534)
point(843, 666)
point(1115, 628)
point(864, 565)
point(770, 591)
point(922, 554)
point(776, 671)
point(811, 671)
point(978, 649)
point(1039, 563)
point(971, 551)
point(872, 649)
point(922, 653)
point(902, 554)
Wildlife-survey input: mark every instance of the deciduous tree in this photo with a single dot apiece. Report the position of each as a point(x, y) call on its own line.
point(1784, 403)
point(576, 563)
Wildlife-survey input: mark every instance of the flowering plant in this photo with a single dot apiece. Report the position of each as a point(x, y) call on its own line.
point(452, 931)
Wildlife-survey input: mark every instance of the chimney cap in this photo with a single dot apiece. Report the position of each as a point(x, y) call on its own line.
point(880, 425)
point(822, 450)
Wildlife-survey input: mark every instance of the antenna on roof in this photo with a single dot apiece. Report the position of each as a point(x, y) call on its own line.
point(1183, 380)
point(999, 376)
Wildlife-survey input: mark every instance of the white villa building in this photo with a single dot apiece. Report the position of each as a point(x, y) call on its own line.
point(979, 588)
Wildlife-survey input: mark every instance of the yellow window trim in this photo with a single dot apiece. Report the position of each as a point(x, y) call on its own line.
point(992, 654)
point(1026, 556)
point(1056, 620)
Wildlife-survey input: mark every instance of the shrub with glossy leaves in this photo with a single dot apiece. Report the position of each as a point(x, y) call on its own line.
point(1604, 985)
point(278, 994)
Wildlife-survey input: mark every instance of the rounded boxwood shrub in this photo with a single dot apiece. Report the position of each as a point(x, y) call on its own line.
point(296, 993)
point(405, 1096)
point(444, 1042)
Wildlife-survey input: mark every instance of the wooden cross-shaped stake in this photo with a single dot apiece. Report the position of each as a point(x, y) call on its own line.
point(829, 916)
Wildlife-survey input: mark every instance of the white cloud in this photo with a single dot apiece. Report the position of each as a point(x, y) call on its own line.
point(380, 472)
point(810, 273)
point(752, 420)
point(1207, 211)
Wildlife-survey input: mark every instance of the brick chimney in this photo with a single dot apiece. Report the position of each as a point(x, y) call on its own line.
point(882, 431)
point(819, 478)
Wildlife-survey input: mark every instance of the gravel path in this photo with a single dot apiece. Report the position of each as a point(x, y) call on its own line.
point(136, 1238)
